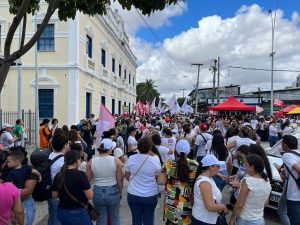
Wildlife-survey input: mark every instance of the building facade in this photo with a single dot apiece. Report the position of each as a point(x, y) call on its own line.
point(81, 63)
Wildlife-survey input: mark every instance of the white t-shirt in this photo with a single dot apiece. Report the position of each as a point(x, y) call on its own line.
point(255, 202)
point(170, 143)
point(233, 150)
point(118, 152)
point(273, 131)
point(199, 210)
point(287, 131)
point(6, 136)
point(131, 140)
point(57, 165)
point(163, 151)
point(243, 141)
point(290, 159)
point(200, 142)
point(143, 169)
point(254, 123)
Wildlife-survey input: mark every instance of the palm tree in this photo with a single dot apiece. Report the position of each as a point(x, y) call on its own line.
point(146, 91)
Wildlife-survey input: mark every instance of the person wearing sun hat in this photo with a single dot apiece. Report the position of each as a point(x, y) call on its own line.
point(179, 173)
point(207, 196)
point(7, 137)
point(106, 171)
point(200, 142)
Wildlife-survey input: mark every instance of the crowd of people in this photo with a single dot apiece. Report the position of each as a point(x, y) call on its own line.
point(186, 160)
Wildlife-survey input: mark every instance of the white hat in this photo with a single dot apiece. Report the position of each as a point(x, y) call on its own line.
point(183, 146)
point(6, 125)
point(157, 127)
point(107, 143)
point(114, 145)
point(210, 160)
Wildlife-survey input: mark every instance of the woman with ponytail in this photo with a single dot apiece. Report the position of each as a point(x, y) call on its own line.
point(70, 184)
point(254, 194)
point(180, 173)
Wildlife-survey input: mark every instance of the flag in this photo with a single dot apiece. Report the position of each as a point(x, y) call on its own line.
point(185, 108)
point(106, 121)
point(172, 102)
point(159, 107)
point(277, 102)
point(147, 107)
point(153, 108)
point(259, 109)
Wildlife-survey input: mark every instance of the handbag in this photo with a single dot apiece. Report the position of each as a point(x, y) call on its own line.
point(94, 214)
point(221, 219)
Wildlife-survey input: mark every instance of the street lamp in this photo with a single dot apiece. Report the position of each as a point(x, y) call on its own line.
point(273, 20)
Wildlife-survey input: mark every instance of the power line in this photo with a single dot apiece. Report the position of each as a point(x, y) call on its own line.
point(262, 69)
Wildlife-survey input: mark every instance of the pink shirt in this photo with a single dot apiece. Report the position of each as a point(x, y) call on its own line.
point(8, 195)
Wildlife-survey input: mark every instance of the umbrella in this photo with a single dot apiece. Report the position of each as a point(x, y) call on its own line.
point(295, 111)
point(289, 108)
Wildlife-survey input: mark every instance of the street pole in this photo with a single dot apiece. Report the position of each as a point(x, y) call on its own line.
point(272, 62)
point(197, 85)
point(19, 62)
point(218, 83)
point(182, 92)
point(214, 82)
point(36, 91)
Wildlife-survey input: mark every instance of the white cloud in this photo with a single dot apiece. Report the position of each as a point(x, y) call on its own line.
point(133, 20)
point(243, 40)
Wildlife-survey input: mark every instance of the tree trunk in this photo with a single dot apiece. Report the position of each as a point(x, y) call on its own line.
point(4, 68)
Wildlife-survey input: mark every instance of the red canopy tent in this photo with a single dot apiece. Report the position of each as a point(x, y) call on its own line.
point(232, 104)
point(289, 108)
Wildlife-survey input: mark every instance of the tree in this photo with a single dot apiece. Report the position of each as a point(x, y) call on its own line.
point(66, 10)
point(180, 101)
point(146, 91)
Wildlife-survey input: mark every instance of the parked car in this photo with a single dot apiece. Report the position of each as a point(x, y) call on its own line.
point(274, 155)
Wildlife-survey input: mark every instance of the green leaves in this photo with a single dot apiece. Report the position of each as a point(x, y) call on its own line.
point(14, 5)
point(146, 91)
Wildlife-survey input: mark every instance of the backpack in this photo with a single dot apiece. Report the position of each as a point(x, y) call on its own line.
point(41, 162)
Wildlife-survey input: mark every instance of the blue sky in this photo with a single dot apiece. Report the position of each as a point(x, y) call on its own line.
point(196, 9)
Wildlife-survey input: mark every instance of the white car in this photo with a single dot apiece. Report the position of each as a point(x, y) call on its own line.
point(274, 155)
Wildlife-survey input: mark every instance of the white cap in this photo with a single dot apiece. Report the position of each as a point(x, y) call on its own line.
point(210, 160)
point(6, 125)
point(157, 127)
point(183, 146)
point(107, 143)
point(114, 145)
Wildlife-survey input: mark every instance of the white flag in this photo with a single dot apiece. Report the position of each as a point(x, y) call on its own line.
point(159, 107)
point(153, 108)
point(172, 102)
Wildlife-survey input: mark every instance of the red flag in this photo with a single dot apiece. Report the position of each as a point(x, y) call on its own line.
point(106, 121)
point(277, 102)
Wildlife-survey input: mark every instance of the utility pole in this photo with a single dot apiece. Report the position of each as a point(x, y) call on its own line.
point(182, 92)
point(214, 82)
point(273, 20)
point(218, 83)
point(197, 85)
point(36, 91)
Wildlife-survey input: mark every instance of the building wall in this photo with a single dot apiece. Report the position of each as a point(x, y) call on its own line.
point(68, 69)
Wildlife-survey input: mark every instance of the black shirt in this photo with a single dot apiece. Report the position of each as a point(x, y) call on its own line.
point(76, 182)
point(17, 176)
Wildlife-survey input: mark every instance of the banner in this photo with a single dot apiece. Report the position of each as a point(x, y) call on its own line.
point(277, 102)
point(106, 121)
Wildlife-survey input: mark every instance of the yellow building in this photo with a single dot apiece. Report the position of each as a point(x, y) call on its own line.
point(81, 63)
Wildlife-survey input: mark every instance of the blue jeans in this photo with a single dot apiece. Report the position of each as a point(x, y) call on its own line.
point(107, 198)
point(29, 210)
point(282, 207)
point(142, 209)
point(259, 221)
point(218, 180)
point(52, 211)
point(74, 216)
point(198, 222)
point(273, 140)
point(293, 211)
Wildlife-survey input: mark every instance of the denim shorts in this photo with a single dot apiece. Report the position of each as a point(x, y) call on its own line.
point(259, 221)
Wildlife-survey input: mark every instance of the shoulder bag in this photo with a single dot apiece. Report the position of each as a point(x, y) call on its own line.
point(296, 180)
point(94, 214)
